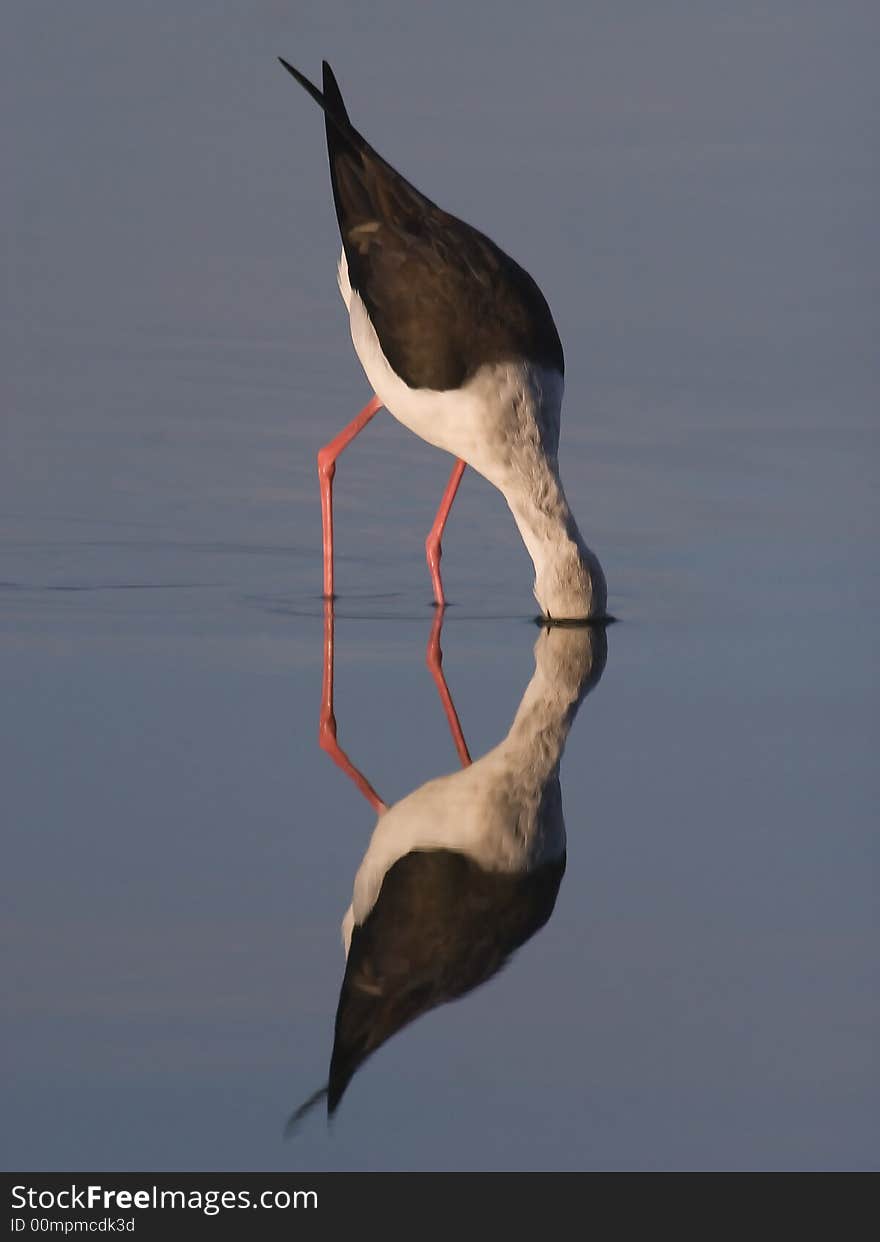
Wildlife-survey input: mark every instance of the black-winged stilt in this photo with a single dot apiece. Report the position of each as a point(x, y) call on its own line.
point(459, 345)
point(462, 871)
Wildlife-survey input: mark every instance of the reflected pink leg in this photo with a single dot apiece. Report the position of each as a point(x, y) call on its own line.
point(433, 550)
point(327, 723)
point(434, 660)
point(326, 470)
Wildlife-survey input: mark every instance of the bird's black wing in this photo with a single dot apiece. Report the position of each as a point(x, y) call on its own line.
point(443, 299)
point(441, 926)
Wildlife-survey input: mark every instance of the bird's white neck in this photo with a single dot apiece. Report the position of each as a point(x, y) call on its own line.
point(568, 662)
point(526, 401)
point(569, 582)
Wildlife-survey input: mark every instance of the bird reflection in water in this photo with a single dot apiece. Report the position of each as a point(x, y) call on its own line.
point(466, 868)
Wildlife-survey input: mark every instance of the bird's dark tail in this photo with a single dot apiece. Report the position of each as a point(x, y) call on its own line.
point(332, 93)
point(329, 101)
point(345, 146)
point(295, 1118)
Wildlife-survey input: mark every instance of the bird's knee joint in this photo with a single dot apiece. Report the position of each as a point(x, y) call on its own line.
point(326, 465)
point(327, 734)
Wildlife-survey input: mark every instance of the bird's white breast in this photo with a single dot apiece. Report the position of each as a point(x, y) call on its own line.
point(494, 812)
point(497, 422)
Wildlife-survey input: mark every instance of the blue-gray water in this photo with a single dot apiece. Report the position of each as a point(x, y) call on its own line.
point(696, 191)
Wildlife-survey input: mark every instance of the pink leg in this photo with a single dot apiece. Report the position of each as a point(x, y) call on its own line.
point(327, 723)
point(434, 660)
point(326, 470)
point(433, 549)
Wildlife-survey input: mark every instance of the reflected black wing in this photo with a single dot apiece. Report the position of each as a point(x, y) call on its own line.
point(441, 926)
point(443, 299)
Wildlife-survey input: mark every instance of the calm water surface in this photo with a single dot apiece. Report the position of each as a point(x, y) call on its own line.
point(697, 195)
